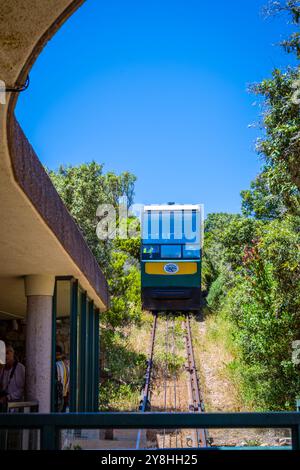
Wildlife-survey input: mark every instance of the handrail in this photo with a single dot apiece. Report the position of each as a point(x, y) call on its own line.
point(26, 438)
point(148, 420)
point(51, 424)
point(32, 405)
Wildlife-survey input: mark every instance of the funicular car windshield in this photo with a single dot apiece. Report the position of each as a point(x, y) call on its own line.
point(164, 227)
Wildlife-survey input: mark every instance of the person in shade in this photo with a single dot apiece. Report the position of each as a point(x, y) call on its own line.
point(62, 381)
point(12, 379)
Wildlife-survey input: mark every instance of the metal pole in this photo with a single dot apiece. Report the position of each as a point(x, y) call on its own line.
point(48, 438)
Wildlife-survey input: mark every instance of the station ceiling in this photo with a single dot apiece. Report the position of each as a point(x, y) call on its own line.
point(37, 234)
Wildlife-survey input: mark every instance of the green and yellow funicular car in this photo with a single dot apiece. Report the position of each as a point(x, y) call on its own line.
point(172, 236)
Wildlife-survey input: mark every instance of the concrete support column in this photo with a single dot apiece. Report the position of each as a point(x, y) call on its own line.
point(39, 291)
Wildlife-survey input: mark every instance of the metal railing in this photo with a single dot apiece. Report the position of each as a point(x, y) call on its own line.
point(50, 425)
point(20, 439)
point(23, 406)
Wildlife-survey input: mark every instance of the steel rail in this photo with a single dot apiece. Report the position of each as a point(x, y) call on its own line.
point(197, 402)
point(166, 372)
point(197, 406)
point(175, 379)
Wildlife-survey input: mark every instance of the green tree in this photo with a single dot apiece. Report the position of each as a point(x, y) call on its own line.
point(125, 288)
point(251, 262)
point(292, 8)
point(264, 304)
point(259, 202)
point(280, 147)
point(83, 188)
point(236, 236)
point(216, 276)
point(277, 189)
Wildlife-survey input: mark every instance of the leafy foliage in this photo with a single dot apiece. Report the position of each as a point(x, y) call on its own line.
point(213, 255)
point(122, 374)
point(292, 8)
point(280, 147)
point(277, 188)
point(254, 272)
point(124, 286)
point(259, 202)
point(260, 292)
point(83, 188)
point(251, 262)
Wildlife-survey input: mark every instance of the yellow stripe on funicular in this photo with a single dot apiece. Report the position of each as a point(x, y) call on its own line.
point(158, 268)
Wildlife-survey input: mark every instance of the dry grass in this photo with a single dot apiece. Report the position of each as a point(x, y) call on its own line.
point(125, 367)
point(139, 336)
point(214, 355)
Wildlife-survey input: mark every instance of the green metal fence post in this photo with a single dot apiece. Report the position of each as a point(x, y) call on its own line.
point(296, 430)
point(94, 359)
point(91, 368)
point(53, 352)
point(83, 355)
point(97, 359)
point(73, 346)
point(49, 439)
point(296, 437)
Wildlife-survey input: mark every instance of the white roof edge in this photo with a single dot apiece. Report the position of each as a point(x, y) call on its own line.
point(173, 207)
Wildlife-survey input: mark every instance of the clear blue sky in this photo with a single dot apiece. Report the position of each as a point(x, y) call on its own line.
point(158, 88)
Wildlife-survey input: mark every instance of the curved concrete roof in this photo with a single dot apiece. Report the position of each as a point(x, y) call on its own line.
point(37, 234)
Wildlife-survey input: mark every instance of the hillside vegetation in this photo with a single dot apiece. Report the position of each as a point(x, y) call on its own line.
point(252, 261)
point(251, 265)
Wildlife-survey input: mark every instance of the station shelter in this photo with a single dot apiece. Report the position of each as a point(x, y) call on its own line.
point(52, 290)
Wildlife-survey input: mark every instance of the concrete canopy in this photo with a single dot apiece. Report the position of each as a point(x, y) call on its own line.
point(37, 234)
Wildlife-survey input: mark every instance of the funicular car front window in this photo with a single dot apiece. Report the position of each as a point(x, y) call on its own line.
point(191, 251)
point(171, 251)
point(191, 226)
point(150, 251)
point(181, 226)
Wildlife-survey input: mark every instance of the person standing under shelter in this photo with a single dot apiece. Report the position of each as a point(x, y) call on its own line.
point(12, 379)
point(62, 381)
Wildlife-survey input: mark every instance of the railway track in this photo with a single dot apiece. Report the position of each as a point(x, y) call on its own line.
point(197, 405)
point(172, 394)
